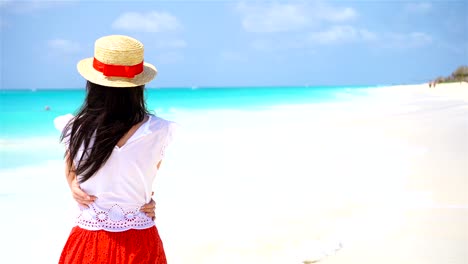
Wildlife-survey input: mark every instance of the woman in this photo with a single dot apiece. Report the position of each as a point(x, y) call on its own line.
point(114, 148)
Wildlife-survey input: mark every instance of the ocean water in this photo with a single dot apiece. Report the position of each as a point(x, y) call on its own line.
point(22, 110)
point(24, 118)
point(264, 160)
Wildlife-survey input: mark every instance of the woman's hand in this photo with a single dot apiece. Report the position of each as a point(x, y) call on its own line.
point(79, 195)
point(85, 200)
point(149, 209)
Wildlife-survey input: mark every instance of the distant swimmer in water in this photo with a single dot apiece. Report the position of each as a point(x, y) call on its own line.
point(47, 108)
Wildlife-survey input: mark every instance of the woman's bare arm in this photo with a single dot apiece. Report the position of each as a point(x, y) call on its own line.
point(85, 200)
point(78, 194)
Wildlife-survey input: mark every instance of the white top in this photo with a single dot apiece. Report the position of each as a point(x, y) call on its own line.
point(124, 183)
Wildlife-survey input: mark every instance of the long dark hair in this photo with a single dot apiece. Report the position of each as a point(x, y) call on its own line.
point(104, 118)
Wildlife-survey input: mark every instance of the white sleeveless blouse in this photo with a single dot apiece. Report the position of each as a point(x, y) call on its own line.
point(124, 183)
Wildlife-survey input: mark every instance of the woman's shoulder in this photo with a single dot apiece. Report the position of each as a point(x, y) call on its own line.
point(61, 121)
point(159, 123)
point(163, 126)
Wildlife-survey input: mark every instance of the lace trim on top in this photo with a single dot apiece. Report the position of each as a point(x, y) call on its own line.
point(115, 219)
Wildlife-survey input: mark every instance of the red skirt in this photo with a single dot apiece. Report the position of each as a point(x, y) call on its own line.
point(128, 247)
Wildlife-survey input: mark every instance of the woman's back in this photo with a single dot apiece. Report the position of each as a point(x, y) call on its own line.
point(124, 182)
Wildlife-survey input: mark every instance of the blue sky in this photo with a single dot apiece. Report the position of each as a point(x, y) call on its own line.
point(239, 43)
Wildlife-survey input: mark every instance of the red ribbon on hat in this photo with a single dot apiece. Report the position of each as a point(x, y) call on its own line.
point(118, 70)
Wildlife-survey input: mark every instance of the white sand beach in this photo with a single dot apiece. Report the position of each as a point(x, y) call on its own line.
point(383, 179)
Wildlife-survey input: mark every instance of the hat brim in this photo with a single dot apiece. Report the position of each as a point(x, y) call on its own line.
point(86, 69)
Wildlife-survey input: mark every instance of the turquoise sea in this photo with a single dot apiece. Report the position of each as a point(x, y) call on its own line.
point(23, 112)
point(25, 124)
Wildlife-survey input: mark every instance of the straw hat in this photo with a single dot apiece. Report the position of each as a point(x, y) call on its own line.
point(117, 62)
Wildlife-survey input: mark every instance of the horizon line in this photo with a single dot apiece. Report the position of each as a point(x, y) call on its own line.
point(221, 87)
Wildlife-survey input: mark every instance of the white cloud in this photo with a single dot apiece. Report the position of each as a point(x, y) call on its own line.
point(63, 46)
point(336, 34)
point(147, 22)
point(318, 23)
point(273, 18)
point(421, 7)
point(276, 17)
point(333, 14)
point(341, 34)
point(406, 40)
point(348, 34)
